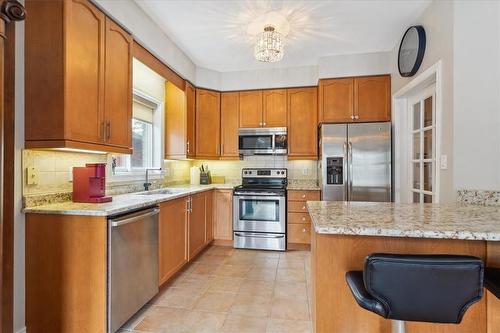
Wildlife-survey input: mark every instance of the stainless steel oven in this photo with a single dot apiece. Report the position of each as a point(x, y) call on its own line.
point(262, 141)
point(259, 210)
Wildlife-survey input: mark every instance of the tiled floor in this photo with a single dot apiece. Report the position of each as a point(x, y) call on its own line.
point(229, 290)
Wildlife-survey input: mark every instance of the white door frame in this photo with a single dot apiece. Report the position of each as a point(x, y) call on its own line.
point(401, 137)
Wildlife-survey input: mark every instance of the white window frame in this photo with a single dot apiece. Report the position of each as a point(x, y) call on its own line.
point(420, 98)
point(130, 173)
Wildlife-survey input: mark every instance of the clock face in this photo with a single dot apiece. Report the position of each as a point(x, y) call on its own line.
point(411, 51)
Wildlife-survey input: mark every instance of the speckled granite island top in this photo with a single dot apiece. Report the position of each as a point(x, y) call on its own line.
point(124, 202)
point(446, 221)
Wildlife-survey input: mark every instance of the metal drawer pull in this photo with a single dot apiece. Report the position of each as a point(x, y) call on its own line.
point(259, 236)
point(304, 230)
point(303, 207)
point(303, 195)
point(303, 218)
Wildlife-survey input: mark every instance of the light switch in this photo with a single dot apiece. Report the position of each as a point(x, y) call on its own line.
point(31, 176)
point(444, 162)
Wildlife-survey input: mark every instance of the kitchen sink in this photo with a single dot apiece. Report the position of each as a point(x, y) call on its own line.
point(162, 192)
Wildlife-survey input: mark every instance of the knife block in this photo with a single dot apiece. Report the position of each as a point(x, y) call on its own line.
point(205, 178)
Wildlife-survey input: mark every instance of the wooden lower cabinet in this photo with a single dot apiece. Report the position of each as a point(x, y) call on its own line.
point(223, 215)
point(197, 225)
point(298, 219)
point(209, 229)
point(172, 237)
point(65, 273)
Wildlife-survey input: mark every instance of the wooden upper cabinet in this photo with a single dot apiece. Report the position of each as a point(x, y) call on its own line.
point(207, 123)
point(78, 78)
point(274, 104)
point(172, 237)
point(84, 72)
point(372, 98)
point(175, 122)
point(302, 123)
point(336, 100)
point(118, 86)
point(191, 120)
point(251, 109)
point(229, 125)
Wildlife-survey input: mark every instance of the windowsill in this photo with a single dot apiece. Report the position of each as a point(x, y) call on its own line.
point(122, 177)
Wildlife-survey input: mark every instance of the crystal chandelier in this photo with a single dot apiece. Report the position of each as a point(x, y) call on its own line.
point(269, 45)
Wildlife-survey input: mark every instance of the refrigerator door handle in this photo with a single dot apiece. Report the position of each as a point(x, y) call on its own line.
point(350, 170)
point(345, 173)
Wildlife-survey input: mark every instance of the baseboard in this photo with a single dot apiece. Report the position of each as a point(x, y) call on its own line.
point(300, 247)
point(22, 330)
point(222, 242)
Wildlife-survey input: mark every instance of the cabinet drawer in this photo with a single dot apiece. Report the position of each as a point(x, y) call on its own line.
point(297, 207)
point(299, 233)
point(303, 195)
point(303, 218)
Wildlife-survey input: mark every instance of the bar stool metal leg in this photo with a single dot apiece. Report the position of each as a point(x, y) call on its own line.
point(398, 326)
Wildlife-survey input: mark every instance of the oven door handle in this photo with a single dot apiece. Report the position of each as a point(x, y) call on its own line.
point(258, 235)
point(258, 197)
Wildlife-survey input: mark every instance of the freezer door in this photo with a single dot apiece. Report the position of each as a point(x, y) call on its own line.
point(369, 156)
point(333, 166)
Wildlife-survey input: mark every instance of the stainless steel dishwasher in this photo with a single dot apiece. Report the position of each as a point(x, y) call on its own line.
point(132, 264)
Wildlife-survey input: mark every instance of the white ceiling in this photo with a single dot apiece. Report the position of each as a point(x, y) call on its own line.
point(213, 33)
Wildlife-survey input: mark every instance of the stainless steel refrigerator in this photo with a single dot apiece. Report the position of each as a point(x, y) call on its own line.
point(355, 162)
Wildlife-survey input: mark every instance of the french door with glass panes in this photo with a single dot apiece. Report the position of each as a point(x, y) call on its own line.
point(423, 148)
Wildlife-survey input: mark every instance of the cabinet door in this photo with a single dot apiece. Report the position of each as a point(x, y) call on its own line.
point(223, 215)
point(209, 216)
point(175, 122)
point(207, 123)
point(372, 98)
point(84, 72)
point(118, 86)
point(251, 108)
point(274, 104)
point(197, 224)
point(302, 123)
point(229, 125)
point(336, 100)
point(172, 237)
point(191, 120)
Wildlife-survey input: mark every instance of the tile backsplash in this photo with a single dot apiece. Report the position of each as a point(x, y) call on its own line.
point(53, 169)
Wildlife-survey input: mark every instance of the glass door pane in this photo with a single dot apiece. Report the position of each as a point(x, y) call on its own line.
point(259, 210)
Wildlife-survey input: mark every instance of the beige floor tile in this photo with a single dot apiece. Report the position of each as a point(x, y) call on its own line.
point(291, 275)
point(202, 268)
point(225, 284)
point(260, 288)
point(242, 324)
point(251, 306)
point(201, 321)
point(285, 308)
point(288, 326)
point(220, 250)
point(295, 263)
point(157, 319)
point(266, 262)
point(293, 290)
point(244, 254)
point(267, 254)
point(183, 298)
point(215, 302)
point(211, 259)
point(193, 281)
point(261, 274)
point(235, 260)
point(294, 254)
point(233, 270)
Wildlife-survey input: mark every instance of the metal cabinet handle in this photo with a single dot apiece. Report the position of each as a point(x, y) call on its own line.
point(303, 229)
point(187, 146)
point(303, 207)
point(303, 196)
point(352, 116)
point(345, 165)
point(264, 124)
point(260, 124)
point(356, 117)
point(303, 218)
point(108, 131)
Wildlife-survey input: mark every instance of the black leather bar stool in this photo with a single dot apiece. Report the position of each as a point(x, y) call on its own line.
point(492, 280)
point(424, 288)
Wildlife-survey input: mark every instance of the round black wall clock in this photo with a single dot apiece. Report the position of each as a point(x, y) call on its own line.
point(411, 51)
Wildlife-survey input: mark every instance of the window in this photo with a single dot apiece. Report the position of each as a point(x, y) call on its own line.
point(146, 137)
point(423, 148)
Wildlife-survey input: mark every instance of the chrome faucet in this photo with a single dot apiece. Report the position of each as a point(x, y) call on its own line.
point(147, 184)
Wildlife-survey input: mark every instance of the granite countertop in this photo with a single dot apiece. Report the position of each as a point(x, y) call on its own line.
point(124, 202)
point(303, 185)
point(447, 221)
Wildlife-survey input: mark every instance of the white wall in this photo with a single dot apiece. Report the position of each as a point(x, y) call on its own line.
point(438, 23)
point(355, 65)
point(148, 33)
point(476, 97)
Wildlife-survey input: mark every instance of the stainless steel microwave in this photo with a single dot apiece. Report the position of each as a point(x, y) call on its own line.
point(262, 141)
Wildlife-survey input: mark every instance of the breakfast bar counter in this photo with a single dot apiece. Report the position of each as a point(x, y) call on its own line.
point(344, 233)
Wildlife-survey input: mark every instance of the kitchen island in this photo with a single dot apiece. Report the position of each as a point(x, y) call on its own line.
point(344, 233)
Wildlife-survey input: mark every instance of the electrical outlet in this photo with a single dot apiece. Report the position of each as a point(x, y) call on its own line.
point(70, 174)
point(305, 172)
point(31, 176)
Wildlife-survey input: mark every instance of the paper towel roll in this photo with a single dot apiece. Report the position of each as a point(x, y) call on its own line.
point(195, 175)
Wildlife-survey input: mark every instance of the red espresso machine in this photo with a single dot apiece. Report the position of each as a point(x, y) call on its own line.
point(89, 183)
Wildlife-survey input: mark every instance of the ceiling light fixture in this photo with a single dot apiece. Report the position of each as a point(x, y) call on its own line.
point(269, 45)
